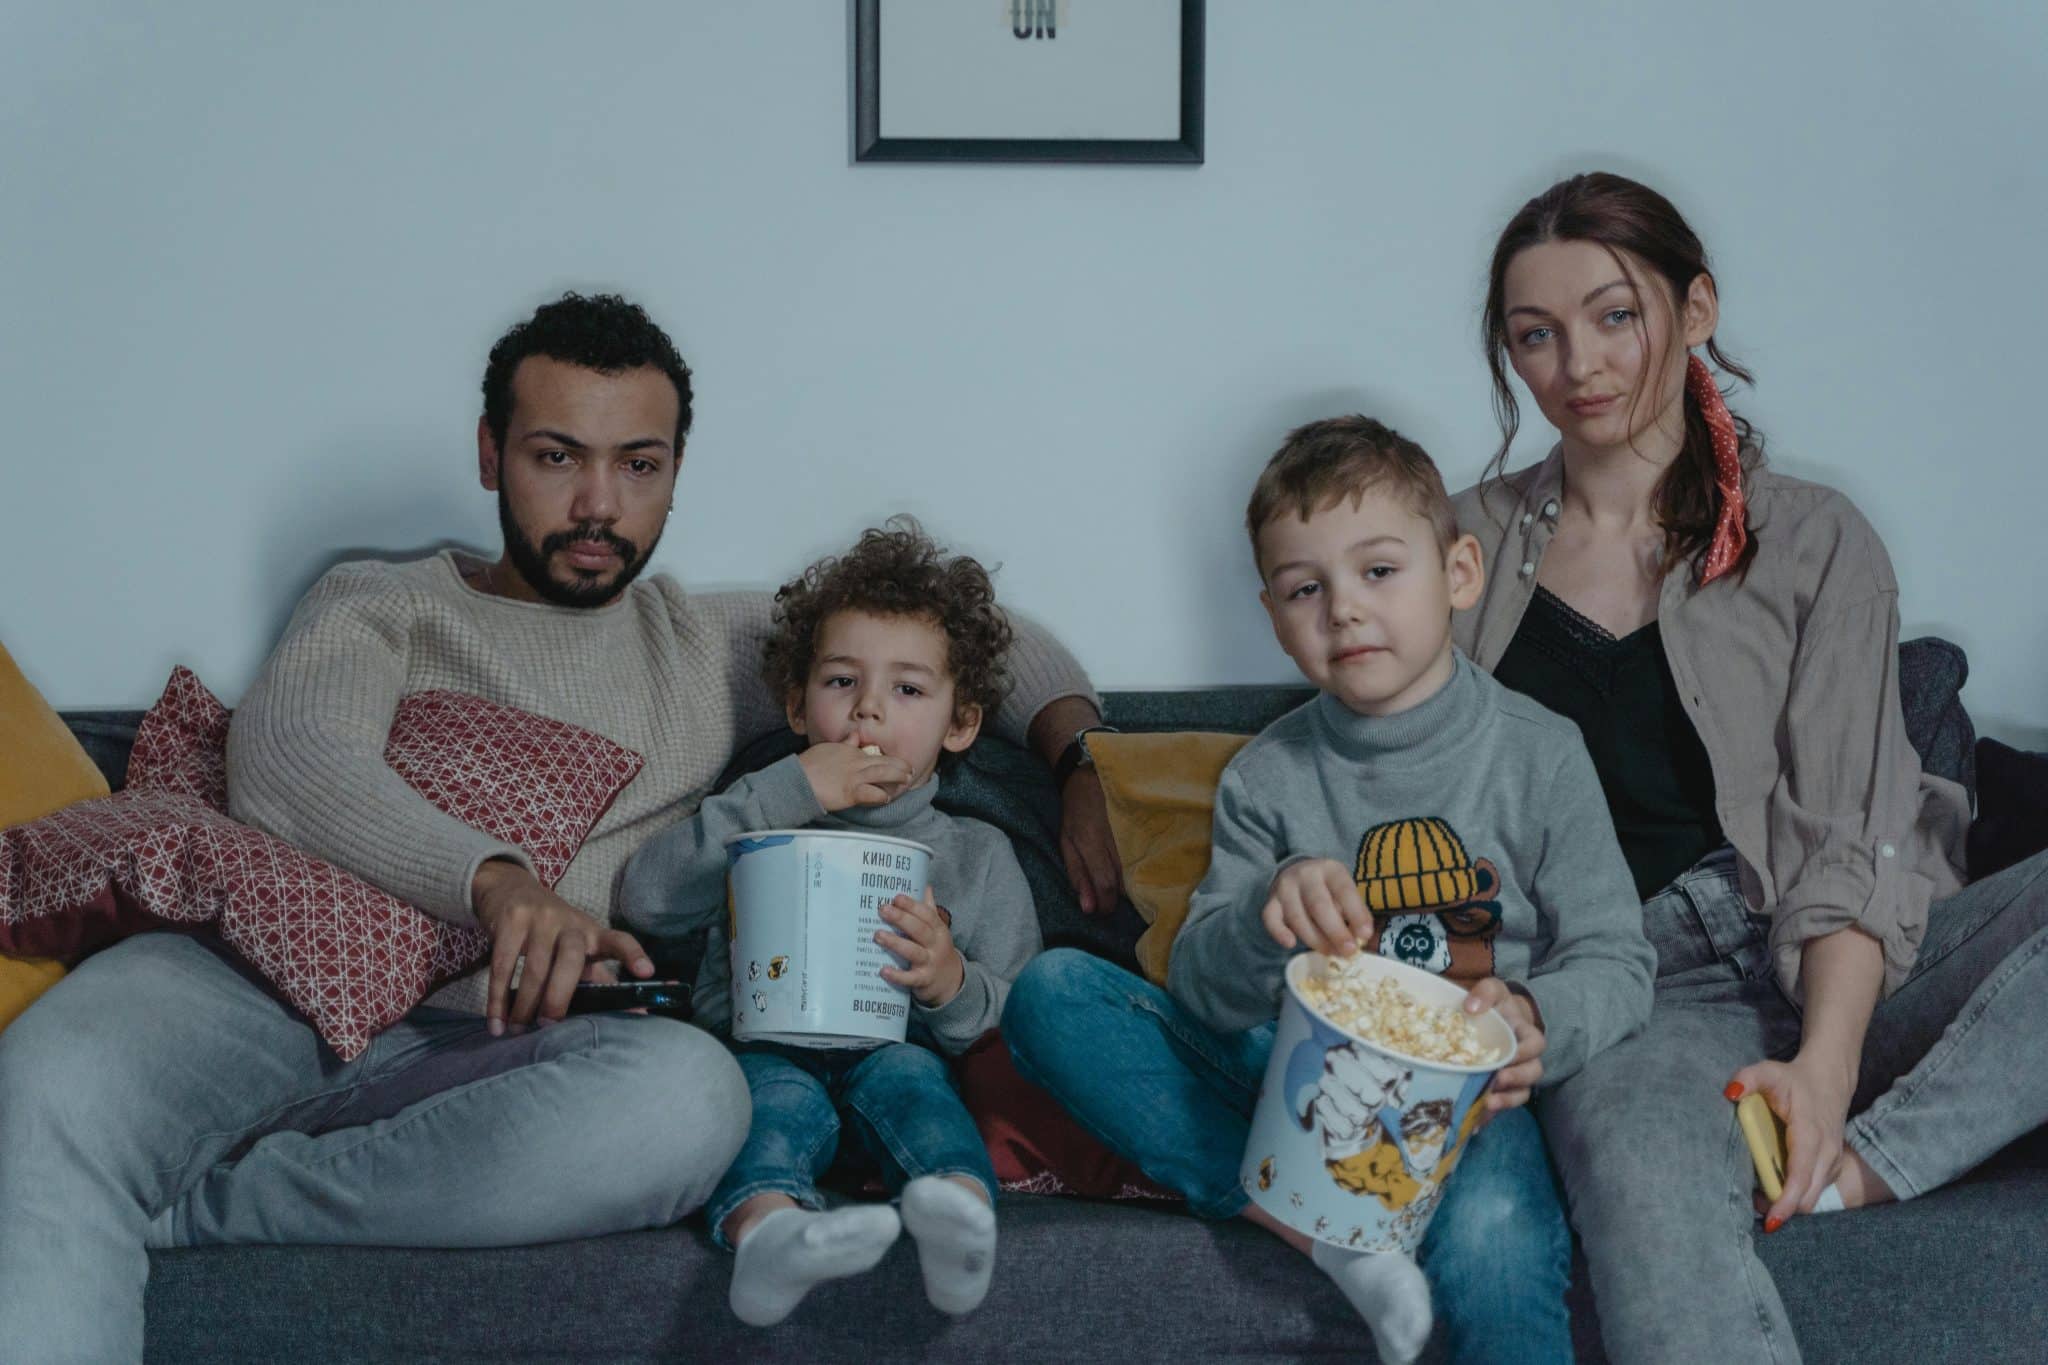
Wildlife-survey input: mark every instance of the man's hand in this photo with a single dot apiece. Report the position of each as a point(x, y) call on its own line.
point(924, 939)
point(842, 776)
point(559, 942)
point(1086, 845)
point(1513, 1082)
point(1315, 902)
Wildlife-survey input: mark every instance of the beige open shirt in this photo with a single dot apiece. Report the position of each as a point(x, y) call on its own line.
point(1791, 677)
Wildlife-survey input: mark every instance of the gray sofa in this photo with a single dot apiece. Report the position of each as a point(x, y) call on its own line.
point(1954, 1276)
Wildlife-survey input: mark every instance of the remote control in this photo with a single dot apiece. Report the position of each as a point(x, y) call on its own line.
point(670, 998)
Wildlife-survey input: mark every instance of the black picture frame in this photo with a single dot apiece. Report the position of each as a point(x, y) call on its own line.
point(870, 145)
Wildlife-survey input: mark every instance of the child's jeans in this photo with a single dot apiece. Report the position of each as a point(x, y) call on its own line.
point(1165, 1092)
point(899, 1099)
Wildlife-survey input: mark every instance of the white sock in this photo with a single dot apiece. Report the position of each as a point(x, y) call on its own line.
point(955, 1230)
point(790, 1251)
point(1830, 1201)
point(1389, 1292)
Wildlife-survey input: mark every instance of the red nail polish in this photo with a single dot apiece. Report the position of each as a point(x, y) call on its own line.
point(1733, 1092)
point(1773, 1224)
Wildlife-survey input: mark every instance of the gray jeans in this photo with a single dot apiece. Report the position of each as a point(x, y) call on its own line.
point(157, 1097)
point(1656, 1172)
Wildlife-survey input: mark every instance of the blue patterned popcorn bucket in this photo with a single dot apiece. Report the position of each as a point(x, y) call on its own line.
point(1352, 1139)
point(804, 907)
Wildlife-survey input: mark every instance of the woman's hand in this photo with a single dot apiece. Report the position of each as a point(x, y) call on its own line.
point(1841, 973)
point(1811, 1095)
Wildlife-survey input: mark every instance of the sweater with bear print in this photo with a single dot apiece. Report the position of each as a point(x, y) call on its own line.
point(1474, 827)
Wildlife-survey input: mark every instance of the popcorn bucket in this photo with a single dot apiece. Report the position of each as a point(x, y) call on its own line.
point(1352, 1140)
point(804, 907)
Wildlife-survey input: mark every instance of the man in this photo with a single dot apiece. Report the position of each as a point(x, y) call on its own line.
point(159, 1097)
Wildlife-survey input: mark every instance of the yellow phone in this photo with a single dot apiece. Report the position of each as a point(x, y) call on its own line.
point(1765, 1134)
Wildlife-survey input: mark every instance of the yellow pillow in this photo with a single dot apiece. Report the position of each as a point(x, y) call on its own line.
point(1162, 799)
point(22, 979)
point(43, 769)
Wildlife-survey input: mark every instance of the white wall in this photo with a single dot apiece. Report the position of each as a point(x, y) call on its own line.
point(251, 257)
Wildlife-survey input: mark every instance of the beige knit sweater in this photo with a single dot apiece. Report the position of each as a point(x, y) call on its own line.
point(672, 676)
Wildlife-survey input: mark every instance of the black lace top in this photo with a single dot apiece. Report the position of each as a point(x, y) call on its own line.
point(1652, 766)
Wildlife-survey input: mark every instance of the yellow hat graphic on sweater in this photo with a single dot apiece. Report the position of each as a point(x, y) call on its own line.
point(1432, 903)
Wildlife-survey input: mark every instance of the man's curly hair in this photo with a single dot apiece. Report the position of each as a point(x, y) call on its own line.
point(604, 333)
point(896, 570)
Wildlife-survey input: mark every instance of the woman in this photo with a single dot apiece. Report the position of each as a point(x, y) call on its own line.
point(1727, 638)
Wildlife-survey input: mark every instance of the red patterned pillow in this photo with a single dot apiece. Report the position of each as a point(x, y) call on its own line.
point(1035, 1146)
point(522, 778)
point(99, 870)
point(350, 957)
point(182, 744)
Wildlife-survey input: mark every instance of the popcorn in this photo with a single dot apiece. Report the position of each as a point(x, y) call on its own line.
point(1379, 1010)
point(871, 750)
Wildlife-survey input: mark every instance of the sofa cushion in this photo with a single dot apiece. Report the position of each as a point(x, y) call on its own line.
point(42, 769)
point(45, 769)
point(1931, 676)
point(82, 877)
point(1034, 1144)
point(1161, 793)
point(22, 979)
point(347, 955)
point(1074, 1281)
point(2012, 808)
point(181, 746)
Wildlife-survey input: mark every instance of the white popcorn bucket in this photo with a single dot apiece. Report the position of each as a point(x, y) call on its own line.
point(804, 907)
point(1351, 1142)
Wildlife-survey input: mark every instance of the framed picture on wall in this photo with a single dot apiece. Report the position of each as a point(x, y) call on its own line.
point(1028, 80)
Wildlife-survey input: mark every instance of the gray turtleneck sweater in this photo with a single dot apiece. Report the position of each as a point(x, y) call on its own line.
point(1475, 829)
point(676, 883)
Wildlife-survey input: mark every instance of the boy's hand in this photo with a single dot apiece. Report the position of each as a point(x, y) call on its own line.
point(842, 776)
point(1315, 902)
point(924, 939)
point(1513, 1082)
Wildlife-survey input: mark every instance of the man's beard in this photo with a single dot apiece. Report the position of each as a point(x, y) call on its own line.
point(589, 590)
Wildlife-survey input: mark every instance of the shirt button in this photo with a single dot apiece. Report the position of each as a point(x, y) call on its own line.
point(1528, 567)
point(1528, 517)
point(1550, 508)
point(1888, 850)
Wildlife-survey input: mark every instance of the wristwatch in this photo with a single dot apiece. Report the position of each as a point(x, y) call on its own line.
point(1076, 754)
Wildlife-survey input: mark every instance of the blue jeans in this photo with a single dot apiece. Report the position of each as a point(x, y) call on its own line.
point(1165, 1092)
point(156, 1097)
point(1657, 1173)
point(899, 1098)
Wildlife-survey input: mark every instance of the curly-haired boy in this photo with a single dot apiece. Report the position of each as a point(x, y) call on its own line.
point(887, 657)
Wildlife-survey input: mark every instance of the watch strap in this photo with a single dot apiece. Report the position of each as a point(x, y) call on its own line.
point(1075, 755)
